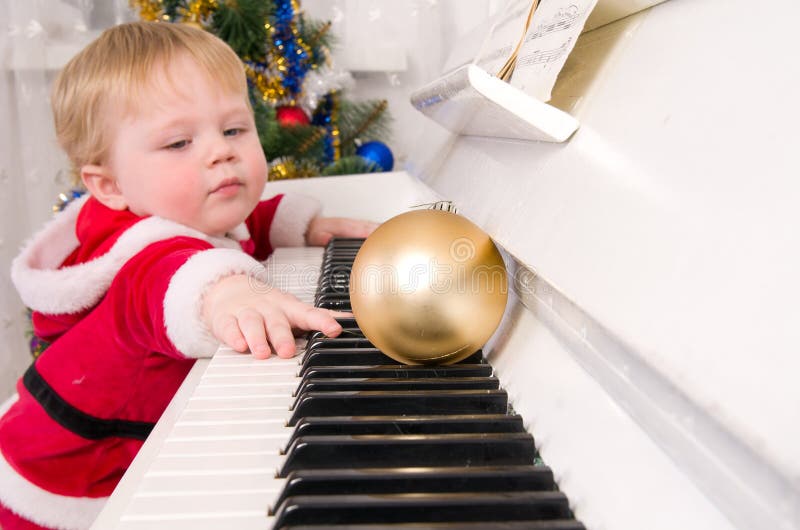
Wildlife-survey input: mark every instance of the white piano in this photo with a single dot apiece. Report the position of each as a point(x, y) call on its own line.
point(652, 345)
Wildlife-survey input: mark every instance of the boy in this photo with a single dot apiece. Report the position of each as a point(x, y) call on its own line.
point(153, 269)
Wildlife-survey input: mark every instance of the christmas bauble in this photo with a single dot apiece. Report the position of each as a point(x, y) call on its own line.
point(377, 152)
point(288, 115)
point(428, 287)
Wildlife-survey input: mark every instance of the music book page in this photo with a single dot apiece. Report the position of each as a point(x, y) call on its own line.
point(548, 41)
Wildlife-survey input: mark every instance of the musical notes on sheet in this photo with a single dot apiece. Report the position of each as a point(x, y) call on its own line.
point(544, 56)
point(563, 20)
point(550, 37)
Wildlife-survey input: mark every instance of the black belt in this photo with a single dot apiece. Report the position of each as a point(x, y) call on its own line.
point(76, 420)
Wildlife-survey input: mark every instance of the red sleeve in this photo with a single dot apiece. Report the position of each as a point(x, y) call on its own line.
point(259, 224)
point(136, 296)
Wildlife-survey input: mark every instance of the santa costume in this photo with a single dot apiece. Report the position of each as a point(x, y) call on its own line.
point(119, 298)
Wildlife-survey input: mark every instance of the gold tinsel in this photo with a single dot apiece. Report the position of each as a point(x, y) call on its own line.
point(336, 138)
point(197, 12)
point(149, 10)
point(270, 87)
point(283, 169)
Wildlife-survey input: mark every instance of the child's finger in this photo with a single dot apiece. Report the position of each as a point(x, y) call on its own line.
point(308, 317)
point(280, 335)
point(251, 324)
point(226, 329)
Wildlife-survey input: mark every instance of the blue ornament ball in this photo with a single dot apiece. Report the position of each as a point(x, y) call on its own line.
point(377, 152)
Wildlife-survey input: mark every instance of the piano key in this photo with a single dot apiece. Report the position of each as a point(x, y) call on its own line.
point(321, 355)
point(354, 333)
point(366, 356)
point(398, 370)
point(379, 403)
point(444, 424)
point(552, 524)
point(327, 343)
point(345, 242)
point(427, 450)
point(439, 507)
point(358, 384)
point(336, 305)
point(378, 481)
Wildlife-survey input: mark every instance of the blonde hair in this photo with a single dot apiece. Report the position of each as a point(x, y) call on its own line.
point(114, 72)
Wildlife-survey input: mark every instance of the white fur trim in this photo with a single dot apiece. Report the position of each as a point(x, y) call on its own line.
point(184, 298)
point(291, 220)
point(45, 288)
point(40, 506)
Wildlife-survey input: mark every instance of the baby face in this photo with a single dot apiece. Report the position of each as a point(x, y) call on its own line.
point(189, 152)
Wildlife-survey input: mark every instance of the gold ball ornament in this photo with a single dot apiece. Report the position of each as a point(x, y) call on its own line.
point(428, 287)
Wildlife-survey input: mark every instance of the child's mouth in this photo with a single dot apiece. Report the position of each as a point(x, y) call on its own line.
point(227, 187)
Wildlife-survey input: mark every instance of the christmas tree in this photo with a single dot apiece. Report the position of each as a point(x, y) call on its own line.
point(306, 126)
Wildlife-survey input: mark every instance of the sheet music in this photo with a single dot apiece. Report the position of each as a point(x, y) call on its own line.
point(555, 27)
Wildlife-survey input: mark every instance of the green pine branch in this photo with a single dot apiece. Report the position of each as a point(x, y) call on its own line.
point(318, 38)
point(350, 165)
point(241, 23)
point(362, 120)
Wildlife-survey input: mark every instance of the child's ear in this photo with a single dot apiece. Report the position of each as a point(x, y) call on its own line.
point(103, 186)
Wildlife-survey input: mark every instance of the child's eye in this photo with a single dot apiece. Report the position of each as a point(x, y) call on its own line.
point(180, 144)
point(233, 132)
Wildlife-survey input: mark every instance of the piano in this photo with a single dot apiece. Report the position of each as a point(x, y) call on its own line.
point(649, 347)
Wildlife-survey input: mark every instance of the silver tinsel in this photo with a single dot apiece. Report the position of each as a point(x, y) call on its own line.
point(318, 83)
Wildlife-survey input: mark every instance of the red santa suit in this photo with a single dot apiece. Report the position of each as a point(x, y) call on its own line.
point(119, 298)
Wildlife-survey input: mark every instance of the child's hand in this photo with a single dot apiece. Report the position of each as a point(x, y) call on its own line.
point(322, 229)
point(244, 313)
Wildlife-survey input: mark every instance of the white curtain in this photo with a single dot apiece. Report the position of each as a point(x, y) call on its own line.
point(36, 38)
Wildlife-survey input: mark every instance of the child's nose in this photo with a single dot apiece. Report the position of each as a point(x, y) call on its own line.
point(220, 150)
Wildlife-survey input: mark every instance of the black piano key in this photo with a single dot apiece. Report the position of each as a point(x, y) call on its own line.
point(423, 424)
point(328, 384)
point(398, 370)
point(552, 524)
point(386, 403)
point(336, 305)
point(327, 296)
point(350, 332)
point(378, 481)
point(341, 341)
point(345, 242)
point(434, 507)
point(357, 356)
point(367, 356)
point(347, 322)
point(331, 267)
point(426, 450)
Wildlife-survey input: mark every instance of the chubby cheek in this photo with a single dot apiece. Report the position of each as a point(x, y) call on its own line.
point(257, 172)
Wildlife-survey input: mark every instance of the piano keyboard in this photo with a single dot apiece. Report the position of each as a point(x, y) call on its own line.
point(344, 437)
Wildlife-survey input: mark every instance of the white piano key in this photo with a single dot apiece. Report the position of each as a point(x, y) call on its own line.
point(190, 502)
point(246, 374)
point(199, 520)
point(241, 444)
point(197, 416)
point(227, 430)
point(160, 484)
point(202, 465)
point(240, 391)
